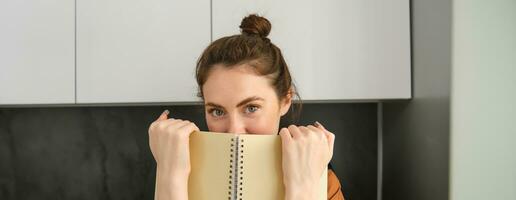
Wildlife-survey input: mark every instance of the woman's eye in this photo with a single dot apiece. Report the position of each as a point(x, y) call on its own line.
point(251, 109)
point(217, 112)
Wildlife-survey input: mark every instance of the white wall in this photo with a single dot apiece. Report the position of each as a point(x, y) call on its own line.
point(483, 106)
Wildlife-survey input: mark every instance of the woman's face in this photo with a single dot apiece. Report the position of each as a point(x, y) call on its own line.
point(237, 100)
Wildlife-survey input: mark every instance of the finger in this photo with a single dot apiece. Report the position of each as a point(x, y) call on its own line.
point(152, 125)
point(176, 123)
point(329, 136)
point(161, 123)
point(331, 141)
point(188, 128)
point(306, 132)
point(320, 133)
point(163, 115)
point(187, 123)
point(326, 132)
point(295, 132)
point(168, 123)
point(173, 121)
point(285, 136)
point(319, 125)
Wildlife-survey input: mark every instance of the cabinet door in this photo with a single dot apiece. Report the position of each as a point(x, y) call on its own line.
point(139, 51)
point(37, 52)
point(336, 49)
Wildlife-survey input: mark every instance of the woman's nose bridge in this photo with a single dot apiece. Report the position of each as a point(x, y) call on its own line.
point(236, 124)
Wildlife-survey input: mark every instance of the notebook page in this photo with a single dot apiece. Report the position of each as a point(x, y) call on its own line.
point(262, 168)
point(210, 161)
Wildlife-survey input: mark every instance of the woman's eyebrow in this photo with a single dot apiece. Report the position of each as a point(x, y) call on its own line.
point(243, 102)
point(213, 105)
point(249, 99)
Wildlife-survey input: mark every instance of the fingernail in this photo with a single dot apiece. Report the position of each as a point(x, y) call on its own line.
point(318, 124)
point(166, 112)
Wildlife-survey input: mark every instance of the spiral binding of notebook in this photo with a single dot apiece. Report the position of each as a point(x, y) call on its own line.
point(241, 166)
point(231, 164)
point(236, 169)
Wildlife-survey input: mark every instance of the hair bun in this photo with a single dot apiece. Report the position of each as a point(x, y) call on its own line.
point(255, 25)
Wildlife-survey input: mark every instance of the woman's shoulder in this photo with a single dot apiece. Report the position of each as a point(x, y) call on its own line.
point(334, 187)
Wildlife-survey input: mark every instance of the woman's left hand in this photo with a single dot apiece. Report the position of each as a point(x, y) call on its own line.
point(306, 152)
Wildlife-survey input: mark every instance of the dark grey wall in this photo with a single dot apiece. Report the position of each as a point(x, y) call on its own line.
point(416, 133)
point(103, 153)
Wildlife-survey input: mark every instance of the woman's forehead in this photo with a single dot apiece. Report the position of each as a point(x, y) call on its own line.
point(232, 85)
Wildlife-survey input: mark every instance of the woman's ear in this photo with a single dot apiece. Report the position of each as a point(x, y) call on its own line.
point(285, 103)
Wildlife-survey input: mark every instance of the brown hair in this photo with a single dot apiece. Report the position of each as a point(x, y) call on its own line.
point(251, 47)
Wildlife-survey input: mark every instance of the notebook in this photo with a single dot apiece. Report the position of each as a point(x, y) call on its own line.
point(238, 167)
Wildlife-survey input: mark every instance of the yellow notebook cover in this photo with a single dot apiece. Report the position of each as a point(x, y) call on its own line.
point(238, 167)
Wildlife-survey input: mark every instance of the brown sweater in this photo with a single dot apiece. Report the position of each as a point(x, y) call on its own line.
point(334, 190)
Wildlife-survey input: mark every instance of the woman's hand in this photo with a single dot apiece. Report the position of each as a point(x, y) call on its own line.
point(307, 150)
point(169, 144)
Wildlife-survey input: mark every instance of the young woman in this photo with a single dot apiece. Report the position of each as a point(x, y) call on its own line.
point(246, 88)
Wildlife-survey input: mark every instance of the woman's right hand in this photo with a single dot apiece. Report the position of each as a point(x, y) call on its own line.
point(169, 144)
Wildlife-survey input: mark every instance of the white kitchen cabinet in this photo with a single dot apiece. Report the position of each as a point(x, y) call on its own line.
point(336, 49)
point(37, 52)
point(115, 51)
point(139, 51)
